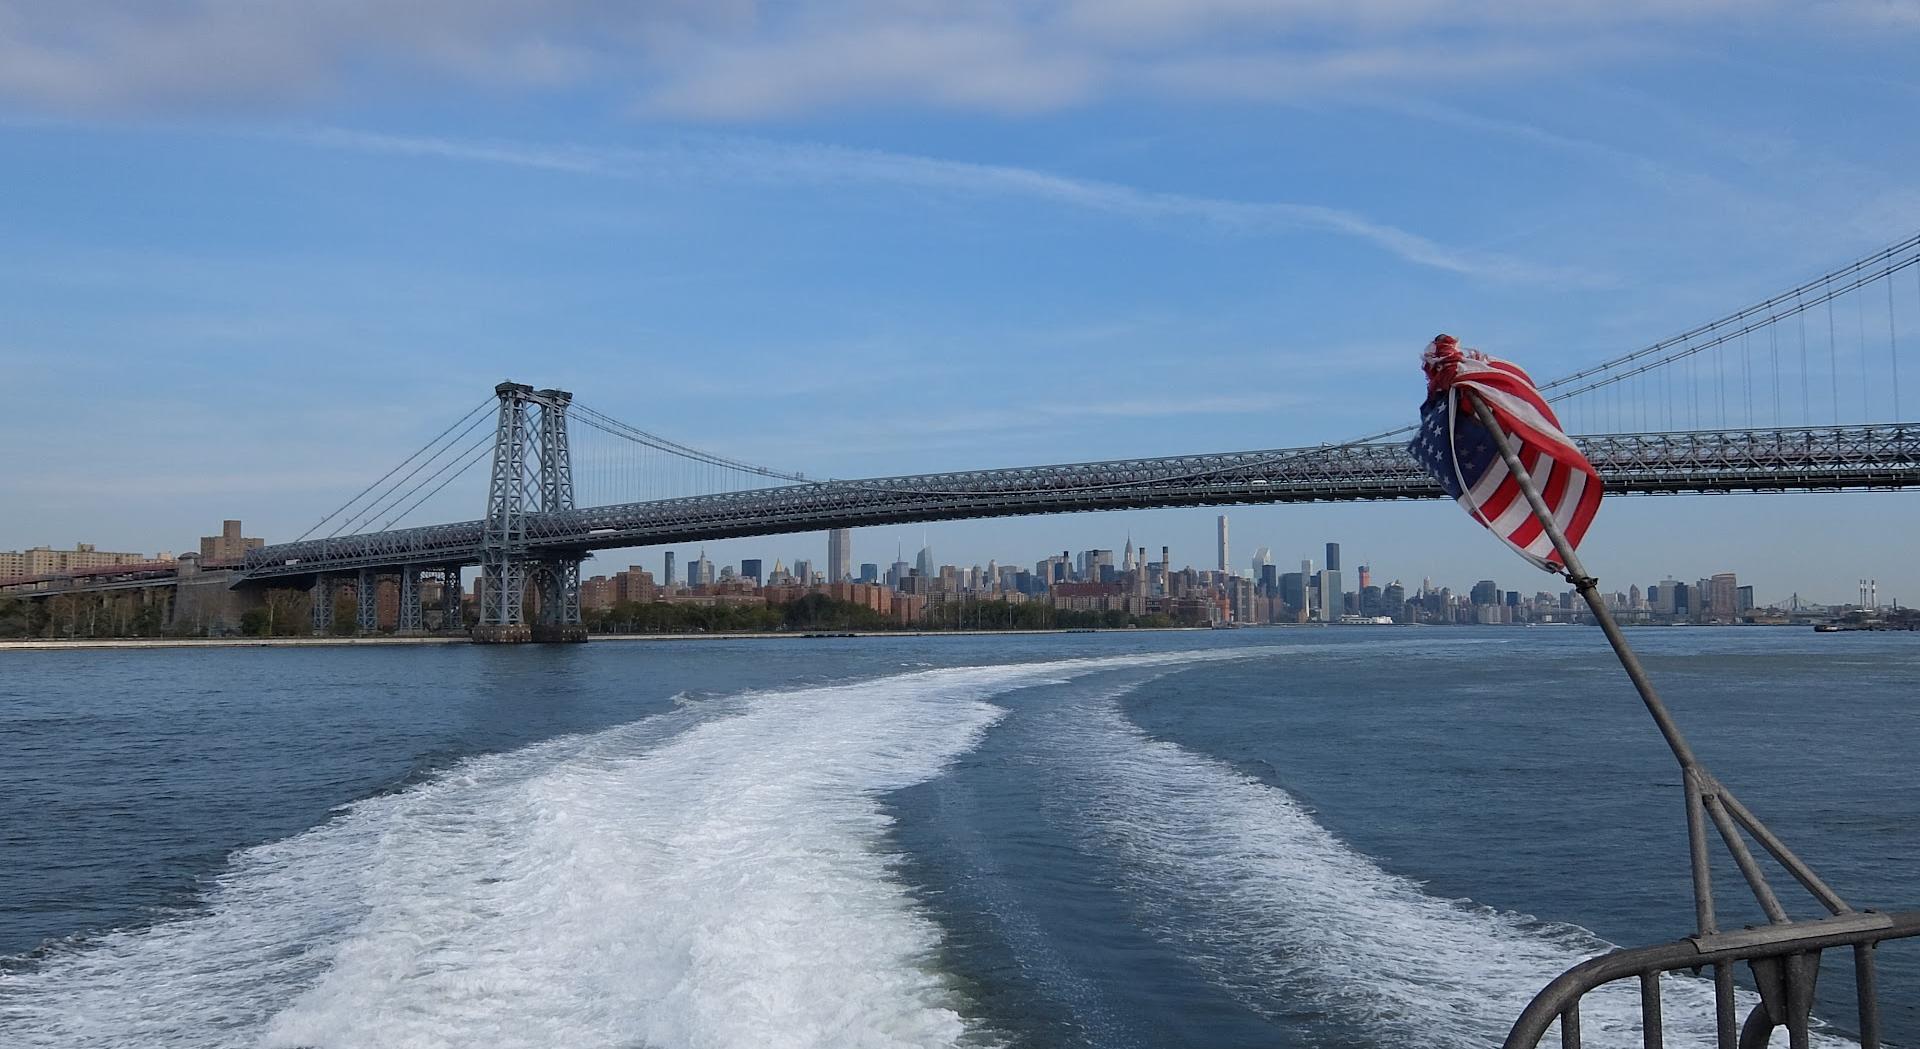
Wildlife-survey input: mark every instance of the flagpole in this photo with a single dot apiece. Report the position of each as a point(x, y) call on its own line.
point(1692, 776)
point(1706, 797)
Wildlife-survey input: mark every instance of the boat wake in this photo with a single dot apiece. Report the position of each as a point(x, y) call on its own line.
point(713, 876)
point(721, 875)
point(1294, 922)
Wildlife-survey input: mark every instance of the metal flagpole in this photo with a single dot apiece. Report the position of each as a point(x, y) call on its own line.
point(1707, 799)
point(1589, 588)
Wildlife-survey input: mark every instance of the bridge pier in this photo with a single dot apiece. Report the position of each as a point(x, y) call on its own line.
point(367, 602)
point(560, 602)
point(413, 616)
point(322, 597)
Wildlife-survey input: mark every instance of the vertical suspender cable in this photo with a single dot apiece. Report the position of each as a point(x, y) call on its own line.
point(1860, 316)
point(1893, 352)
point(1773, 351)
point(1806, 398)
point(1833, 363)
point(1720, 380)
point(1746, 374)
point(1693, 383)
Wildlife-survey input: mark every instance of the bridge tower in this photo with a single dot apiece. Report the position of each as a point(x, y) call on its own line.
point(532, 475)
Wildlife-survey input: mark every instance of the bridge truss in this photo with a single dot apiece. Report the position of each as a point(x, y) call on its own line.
point(1764, 460)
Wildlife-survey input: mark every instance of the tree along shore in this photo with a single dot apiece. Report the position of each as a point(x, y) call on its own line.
point(287, 614)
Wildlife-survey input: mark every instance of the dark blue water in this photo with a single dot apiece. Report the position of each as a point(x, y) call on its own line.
point(1282, 837)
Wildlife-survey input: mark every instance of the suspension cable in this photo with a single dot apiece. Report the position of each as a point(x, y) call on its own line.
point(385, 500)
point(1876, 259)
point(472, 461)
point(482, 406)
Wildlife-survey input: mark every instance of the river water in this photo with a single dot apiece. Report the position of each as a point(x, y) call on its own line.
point(1349, 837)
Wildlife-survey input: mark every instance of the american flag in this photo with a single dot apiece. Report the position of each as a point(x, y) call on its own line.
point(1461, 454)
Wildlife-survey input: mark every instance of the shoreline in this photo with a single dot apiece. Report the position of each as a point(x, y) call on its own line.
point(102, 643)
point(51, 645)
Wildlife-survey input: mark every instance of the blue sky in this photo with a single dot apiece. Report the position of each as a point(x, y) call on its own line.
point(251, 254)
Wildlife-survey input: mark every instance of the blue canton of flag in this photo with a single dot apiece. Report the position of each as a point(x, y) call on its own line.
point(1467, 456)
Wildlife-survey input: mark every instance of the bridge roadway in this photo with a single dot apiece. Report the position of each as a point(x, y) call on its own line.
point(1760, 460)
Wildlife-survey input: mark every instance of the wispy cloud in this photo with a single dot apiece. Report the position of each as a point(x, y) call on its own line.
point(761, 160)
point(758, 59)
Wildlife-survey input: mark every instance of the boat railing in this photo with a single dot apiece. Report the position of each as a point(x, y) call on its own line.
point(1784, 960)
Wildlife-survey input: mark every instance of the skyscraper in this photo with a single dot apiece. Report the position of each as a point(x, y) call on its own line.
point(1225, 566)
point(1333, 557)
point(668, 574)
point(750, 569)
point(1723, 596)
point(839, 554)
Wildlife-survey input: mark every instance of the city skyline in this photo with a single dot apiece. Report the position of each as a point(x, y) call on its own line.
point(1518, 577)
point(678, 563)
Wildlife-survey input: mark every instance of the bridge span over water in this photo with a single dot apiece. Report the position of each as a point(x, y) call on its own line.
point(1760, 460)
point(1798, 392)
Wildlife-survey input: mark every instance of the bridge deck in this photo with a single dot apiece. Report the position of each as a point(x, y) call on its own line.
point(1760, 460)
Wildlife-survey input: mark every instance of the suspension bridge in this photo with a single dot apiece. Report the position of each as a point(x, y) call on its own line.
point(1799, 392)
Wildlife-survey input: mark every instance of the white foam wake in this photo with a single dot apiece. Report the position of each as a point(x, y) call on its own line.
point(1291, 914)
point(697, 879)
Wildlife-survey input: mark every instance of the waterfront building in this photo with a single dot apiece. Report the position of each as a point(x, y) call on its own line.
point(1393, 601)
point(635, 585)
point(1723, 597)
point(1293, 589)
point(42, 560)
point(1088, 597)
point(596, 594)
point(227, 547)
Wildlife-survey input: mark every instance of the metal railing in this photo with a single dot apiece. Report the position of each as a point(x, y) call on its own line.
point(1784, 960)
